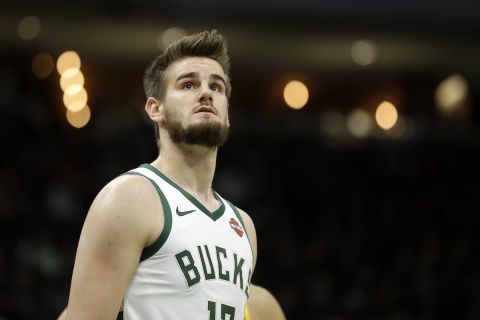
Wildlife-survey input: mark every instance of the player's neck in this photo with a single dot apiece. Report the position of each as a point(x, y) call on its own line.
point(191, 167)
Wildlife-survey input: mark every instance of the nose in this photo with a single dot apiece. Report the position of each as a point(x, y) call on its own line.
point(206, 93)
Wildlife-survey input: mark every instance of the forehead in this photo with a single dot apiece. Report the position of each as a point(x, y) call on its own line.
point(201, 65)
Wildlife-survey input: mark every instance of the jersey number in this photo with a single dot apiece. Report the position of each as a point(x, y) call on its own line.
point(224, 311)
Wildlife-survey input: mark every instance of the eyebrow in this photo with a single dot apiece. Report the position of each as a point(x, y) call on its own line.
point(220, 78)
point(195, 75)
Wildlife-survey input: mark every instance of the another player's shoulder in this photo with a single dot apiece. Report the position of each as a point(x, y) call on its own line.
point(260, 295)
point(263, 305)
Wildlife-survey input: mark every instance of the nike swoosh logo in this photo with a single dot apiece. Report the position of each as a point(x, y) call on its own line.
point(182, 213)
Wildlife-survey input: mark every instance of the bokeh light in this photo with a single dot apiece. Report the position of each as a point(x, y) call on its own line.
point(168, 36)
point(359, 123)
point(451, 92)
point(364, 52)
point(77, 101)
point(68, 60)
point(386, 115)
point(80, 118)
point(28, 28)
point(72, 83)
point(42, 65)
point(296, 94)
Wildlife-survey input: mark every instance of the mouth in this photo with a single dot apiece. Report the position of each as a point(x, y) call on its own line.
point(205, 109)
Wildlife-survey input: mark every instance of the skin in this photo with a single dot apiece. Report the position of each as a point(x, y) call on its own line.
point(263, 305)
point(126, 216)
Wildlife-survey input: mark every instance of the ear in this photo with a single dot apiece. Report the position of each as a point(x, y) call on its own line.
point(153, 107)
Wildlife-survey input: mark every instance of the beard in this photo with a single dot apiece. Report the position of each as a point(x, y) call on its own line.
point(206, 134)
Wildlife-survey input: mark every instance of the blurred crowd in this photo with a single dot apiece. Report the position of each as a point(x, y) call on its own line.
point(375, 229)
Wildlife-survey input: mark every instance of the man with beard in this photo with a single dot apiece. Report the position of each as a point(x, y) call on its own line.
point(158, 242)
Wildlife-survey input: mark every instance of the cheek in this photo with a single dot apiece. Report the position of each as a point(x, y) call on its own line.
point(226, 108)
point(179, 99)
point(170, 113)
point(175, 104)
point(227, 118)
point(222, 102)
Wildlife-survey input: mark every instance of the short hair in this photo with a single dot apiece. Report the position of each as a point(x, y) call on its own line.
point(209, 44)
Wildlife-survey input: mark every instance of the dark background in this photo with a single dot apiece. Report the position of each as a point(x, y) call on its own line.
point(378, 227)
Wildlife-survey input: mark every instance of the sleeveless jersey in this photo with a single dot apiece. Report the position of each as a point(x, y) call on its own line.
point(200, 267)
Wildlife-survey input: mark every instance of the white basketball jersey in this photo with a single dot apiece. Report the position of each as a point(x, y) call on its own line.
point(200, 266)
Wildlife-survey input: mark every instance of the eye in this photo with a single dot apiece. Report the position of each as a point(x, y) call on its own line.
point(188, 85)
point(216, 87)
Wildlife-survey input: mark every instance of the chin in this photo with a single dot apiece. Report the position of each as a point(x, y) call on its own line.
point(205, 115)
point(207, 120)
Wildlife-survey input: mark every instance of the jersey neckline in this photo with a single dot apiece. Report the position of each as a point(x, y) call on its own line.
point(214, 215)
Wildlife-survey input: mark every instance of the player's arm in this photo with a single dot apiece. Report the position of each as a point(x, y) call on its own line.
point(263, 305)
point(117, 228)
point(252, 234)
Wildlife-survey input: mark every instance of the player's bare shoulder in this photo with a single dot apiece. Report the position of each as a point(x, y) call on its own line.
point(121, 222)
point(127, 192)
point(129, 201)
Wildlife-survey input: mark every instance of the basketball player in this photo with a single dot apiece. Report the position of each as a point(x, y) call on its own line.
point(158, 242)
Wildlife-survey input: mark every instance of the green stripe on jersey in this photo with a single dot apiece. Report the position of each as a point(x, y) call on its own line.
point(215, 215)
point(239, 216)
point(167, 227)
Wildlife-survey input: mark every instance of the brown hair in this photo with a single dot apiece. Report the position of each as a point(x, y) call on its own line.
point(209, 44)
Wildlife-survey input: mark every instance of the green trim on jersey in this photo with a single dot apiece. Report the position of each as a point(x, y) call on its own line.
point(239, 216)
point(167, 227)
point(215, 215)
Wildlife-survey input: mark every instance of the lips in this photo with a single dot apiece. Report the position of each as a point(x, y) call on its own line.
point(205, 109)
